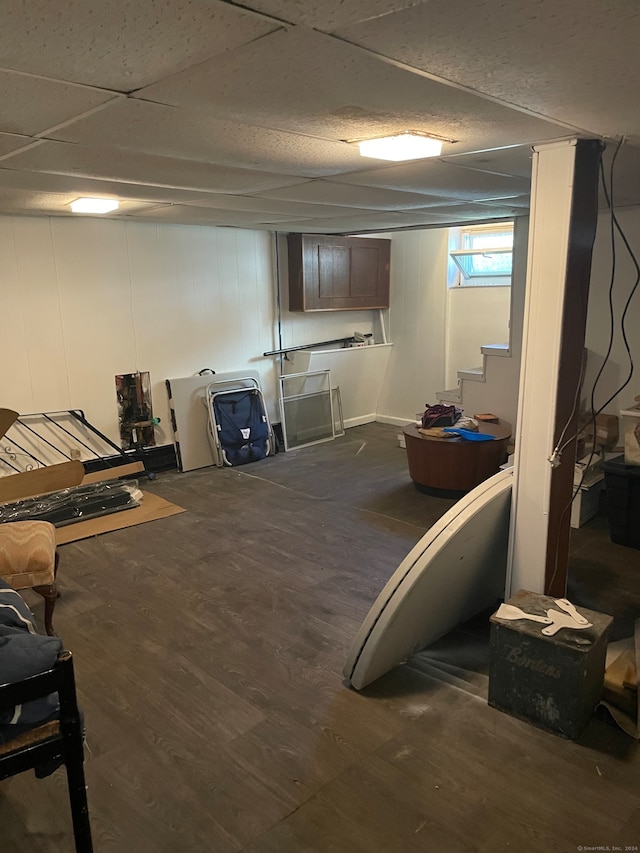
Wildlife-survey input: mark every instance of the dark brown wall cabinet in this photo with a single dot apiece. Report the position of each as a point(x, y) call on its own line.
point(338, 273)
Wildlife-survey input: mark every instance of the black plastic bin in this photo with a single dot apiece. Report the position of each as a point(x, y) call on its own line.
point(623, 501)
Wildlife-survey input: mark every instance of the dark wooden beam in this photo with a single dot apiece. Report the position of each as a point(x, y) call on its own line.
point(584, 213)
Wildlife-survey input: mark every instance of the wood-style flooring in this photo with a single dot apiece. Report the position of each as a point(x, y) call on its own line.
point(209, 648)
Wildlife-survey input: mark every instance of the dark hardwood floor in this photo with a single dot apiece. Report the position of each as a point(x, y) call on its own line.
point(209, 648)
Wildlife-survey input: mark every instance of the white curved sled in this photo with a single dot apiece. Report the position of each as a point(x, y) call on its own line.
point(456, 570)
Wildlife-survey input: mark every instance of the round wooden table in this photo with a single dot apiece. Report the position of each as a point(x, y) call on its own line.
point(449, 467)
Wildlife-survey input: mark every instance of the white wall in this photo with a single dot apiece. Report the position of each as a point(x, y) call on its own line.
point(417, 323)
point(434, 328)
point(412, 315)
point(616, 370)
point(499, 392)
point(502, 374)
point(476, 316)
point(358, 373)
point(86, 299)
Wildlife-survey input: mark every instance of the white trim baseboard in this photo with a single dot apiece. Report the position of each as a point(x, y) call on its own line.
point(388, 419)
point(360, 420)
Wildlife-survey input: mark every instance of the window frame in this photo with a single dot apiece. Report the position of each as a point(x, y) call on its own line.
point(457, 249)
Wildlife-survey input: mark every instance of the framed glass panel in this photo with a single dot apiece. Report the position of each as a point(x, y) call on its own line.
point(306, 408)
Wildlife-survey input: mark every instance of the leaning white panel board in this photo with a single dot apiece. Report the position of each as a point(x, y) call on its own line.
point(190, 416)
point(456, 570)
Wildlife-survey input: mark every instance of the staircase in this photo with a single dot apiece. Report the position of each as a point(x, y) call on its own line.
point(492, 387)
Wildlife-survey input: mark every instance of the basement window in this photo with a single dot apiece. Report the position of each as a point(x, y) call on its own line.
point(483, 255)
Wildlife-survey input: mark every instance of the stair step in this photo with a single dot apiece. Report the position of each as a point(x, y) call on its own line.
point(474, 374)
point(495, 349)
point(450, 396)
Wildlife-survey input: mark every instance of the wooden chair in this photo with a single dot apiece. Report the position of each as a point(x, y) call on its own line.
point(29, 559)
point(58, 740)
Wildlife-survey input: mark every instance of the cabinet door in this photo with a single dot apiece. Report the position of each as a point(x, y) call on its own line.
point(332, 273)
point(338, 273)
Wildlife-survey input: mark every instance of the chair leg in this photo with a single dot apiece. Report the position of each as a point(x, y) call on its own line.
point(50, 593)
point(79, 804)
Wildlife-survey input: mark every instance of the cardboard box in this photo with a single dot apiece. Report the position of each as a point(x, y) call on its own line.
point(586, 470)
point(606, 432)
point(586, 502)
point(67, 475)
point(631, 432)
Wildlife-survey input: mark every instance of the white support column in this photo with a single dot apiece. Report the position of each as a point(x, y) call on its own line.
point(549, 226)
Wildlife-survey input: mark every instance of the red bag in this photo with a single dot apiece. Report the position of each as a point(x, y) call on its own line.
point(440, 416)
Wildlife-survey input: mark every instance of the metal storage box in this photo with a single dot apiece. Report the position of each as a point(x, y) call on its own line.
point(553, 682)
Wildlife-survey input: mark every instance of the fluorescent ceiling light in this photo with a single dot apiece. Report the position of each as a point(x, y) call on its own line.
point(403, 146)
point(94, 205)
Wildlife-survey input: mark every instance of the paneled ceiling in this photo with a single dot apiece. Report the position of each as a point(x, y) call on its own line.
point(244, 114)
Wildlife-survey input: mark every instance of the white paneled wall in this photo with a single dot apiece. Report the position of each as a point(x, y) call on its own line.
point(86, 299)
point(477, 316)
point(32, 273)
point(359, 374)
point(434, 328)
point(417, 323)
point(16, 358)
point(98, 334)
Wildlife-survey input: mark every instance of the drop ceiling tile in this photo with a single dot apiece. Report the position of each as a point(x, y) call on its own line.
point(346, 195)
point(208, 216)
point(266, 205)
point(11, 142)
point(477, 212)
point(117, 165)
point(120, 44)
point(80, 186)
point(326, 15)
point(51, 204)
point(191, 135)
point(32, 104)
point(522, 202)
point(378, 221)
point(346, 225)
point(29, 201)
point(76, 186)
point(306, 82)
point(438, 178)
point(567, 61)
point(515, 160)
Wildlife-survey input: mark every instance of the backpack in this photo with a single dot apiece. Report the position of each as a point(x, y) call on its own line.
point(440, 416)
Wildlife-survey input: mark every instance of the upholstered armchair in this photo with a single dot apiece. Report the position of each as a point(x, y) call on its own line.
point(28, 558)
